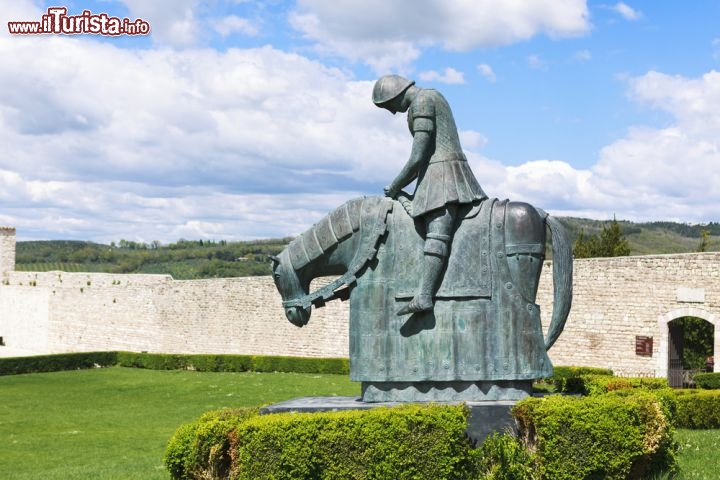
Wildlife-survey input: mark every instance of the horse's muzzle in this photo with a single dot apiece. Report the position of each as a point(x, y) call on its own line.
point(298, 316)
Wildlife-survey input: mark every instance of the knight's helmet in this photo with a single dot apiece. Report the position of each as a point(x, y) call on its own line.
point(388, 87)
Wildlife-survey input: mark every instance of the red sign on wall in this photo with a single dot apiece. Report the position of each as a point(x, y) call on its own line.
point(643, 346)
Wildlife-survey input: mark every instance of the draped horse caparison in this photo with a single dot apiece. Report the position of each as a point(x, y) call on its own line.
point(484, 330)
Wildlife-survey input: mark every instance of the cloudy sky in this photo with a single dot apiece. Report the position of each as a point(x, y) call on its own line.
point(241, 119)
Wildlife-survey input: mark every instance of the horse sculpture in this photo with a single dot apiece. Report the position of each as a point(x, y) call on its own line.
point(482, 341)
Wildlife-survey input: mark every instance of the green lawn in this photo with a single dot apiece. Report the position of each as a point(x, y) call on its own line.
point(699, 454)
point(114, 423)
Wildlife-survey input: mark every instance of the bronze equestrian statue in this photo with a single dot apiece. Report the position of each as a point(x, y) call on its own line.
point(471, 330)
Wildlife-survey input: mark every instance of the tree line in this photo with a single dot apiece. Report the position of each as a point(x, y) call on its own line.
point(611, 241)
point(192, 259)
point(184, 259)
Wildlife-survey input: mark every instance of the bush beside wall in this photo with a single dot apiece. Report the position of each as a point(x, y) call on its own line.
point(198, 362)
point(608, 436)
point(234, 363)
point(338, 366)
point(159, 361)
point(568, 379)
point(601, 384)
point(697, 409)
point(55, 363)
point(709, 381)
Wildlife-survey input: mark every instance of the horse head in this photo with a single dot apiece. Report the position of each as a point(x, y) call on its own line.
point(340, 244)
point(289, 286)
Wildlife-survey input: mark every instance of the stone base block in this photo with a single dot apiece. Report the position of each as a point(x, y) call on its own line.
point(485, 417)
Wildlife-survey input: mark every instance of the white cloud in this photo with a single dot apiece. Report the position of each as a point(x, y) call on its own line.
point(172, 22)
point(487, 72)
point(677, 164)
point(198, 114)
point(233, 24)
point(549, 184)
point(670, 172)
point(448, 76)
point(472, 139)
point(19, 11)
point(383, 54)
point(694, 102)
point(102, 143)
point(389, 35)
point(107, 138)
point(583, 55)
point(626, 11)
point(536, 62)
point(108, 211)
point(716, 48)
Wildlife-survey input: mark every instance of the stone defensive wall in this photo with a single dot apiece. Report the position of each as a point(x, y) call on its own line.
point(622, 307)
point(620, 315)
point(66, 312)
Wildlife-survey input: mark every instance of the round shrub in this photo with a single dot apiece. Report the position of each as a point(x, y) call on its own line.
point(709, 381)
point(613, 436)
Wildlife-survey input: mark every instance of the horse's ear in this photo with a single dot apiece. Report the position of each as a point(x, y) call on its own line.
point(275, 259)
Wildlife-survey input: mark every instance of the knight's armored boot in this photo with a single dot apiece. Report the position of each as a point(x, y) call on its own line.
point(436, 253)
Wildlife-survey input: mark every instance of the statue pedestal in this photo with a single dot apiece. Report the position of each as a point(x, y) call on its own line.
point(454, 391)
point(485, 417)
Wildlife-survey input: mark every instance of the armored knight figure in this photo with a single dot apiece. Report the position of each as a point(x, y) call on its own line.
point(444, 178)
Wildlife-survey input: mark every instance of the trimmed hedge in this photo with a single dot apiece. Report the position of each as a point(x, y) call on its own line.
point(159, 361)
point(601, 384)
point(613, 436)
point(504, 457)
point(234, 363)
point(339, 366)
point(709, 381)
point(201, 363)
point(697, 409)
point(203, 449)
point(407, 442)
point(568, 379)
point(622, 435)
point(56, 363)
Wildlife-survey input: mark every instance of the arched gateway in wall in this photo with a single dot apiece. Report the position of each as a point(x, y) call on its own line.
point(619, 319)
point(666, 350)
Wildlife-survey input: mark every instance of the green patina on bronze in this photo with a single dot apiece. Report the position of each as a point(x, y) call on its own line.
point(442, 305)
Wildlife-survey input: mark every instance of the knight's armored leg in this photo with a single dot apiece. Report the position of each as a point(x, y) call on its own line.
point(437, 246)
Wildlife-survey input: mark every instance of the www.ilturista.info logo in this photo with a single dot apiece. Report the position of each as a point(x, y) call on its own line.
point(57, 21)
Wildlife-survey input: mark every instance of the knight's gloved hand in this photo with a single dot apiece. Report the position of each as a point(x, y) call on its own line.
point(391, 191)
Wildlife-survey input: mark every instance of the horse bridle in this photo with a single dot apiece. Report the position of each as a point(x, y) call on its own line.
point(340, 287)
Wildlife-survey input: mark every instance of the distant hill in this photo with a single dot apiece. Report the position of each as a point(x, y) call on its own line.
point(653, 237)
point(190, 259)
point(186, 259)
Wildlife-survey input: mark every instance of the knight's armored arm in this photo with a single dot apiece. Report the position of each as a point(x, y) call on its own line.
point(419, 155)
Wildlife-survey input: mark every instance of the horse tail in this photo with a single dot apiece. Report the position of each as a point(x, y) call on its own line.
point(562, 279)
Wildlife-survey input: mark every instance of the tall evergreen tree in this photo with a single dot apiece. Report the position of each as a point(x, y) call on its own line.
point(611, 242)
point(581, 247)
point(704, 240)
